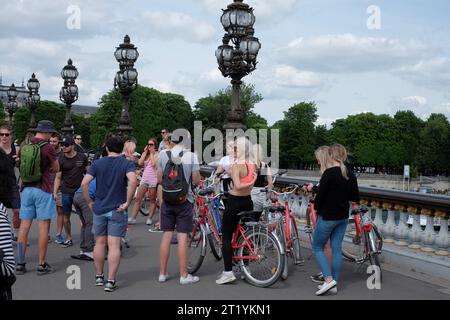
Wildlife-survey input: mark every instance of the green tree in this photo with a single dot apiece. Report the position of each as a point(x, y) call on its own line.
point(150, 110)
point(322, 136)
point(212, 110)
point(432, 153)
point(370, 140)
point(297, 135)
point(408, 128)
point(55, 112)
point(3, 119)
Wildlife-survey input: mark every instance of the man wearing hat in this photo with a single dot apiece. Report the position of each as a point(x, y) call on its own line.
point(37, 200)
point(72, 167)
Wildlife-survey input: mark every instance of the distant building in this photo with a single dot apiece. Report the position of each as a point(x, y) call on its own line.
point(85, 111)
point(22, 93)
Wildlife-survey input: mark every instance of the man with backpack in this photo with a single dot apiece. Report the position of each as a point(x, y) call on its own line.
point(178, 168)
point(37, 159)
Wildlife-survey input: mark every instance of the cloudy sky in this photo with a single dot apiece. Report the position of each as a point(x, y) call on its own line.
point(336, 53)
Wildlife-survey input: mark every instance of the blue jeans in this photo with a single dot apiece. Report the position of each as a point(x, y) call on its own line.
point(335, 231)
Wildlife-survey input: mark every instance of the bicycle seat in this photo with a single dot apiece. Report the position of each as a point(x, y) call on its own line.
point(276, 208)
point(206, 192)
point(249, 216)
point(359, 210)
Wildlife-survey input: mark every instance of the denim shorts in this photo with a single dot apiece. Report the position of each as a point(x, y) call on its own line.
point(37, 204)
point(179, 217)
point(112, 224)
point(67, 202)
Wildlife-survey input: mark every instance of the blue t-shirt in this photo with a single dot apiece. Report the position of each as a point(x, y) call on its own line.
point(111, 175)
point(92, 188)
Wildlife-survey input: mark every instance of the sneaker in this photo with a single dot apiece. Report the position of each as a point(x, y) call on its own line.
point(154, 230)
point(318, 278)
point(99, 280)
point(174, 241)
point(332, 290)
point(110, 286)
point(326, 287)
point(67, 243)
point(149, 222)
point(45, 269)
point(59, 239)
point(49, 239)
point(163, 277)
point(190, 279)
point(21, 269)
point(131, 221)
point(226, 277)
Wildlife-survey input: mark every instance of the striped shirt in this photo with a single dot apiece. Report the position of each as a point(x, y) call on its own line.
point(8, 265)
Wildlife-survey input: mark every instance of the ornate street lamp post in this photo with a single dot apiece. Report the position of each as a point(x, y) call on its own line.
point(11, 105)
point(239, 60)
point(33, 101)
point(126, 81)
point(68, 94)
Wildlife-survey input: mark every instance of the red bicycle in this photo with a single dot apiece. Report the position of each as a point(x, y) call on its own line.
point(256, 251)
point(285, 227)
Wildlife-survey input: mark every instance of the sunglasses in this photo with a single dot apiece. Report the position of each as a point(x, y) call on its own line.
point(65, 145)
point(77, 138)
point(151, 144)
point(5, 134)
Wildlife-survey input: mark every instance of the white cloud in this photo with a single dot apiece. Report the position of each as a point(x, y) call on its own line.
point(347, 53)
point(171, 25)
point(287, 76)
point(415, 101)
point(432, 73)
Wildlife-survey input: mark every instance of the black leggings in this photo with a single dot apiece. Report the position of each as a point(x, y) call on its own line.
point(230, 221)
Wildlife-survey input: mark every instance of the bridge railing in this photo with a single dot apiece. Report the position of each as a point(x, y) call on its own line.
point(408, 220)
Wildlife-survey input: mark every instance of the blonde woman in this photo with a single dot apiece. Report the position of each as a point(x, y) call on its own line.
point(332, 204)
point(149, 182)
point(243, 175)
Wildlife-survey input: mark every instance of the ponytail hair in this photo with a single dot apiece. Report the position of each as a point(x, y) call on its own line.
point(339, 153)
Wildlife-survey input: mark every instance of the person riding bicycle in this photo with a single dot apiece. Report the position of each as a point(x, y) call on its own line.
point(243, 175)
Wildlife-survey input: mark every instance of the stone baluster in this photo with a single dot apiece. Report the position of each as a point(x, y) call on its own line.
point(378, 221)
point(389, 227)
point(415, 233)
point(401, 231)
point(304, 204)
point(443, 238)
point(429, 235)
point(295, 205)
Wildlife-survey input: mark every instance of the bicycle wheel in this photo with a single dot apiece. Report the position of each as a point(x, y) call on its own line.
point(215, 245)
point(265, 261)
point(295, 240)
point(197, 248)
point(145, 206)
point(353, 250)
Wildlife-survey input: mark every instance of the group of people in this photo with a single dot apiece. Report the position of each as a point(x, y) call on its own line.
point(102, 193)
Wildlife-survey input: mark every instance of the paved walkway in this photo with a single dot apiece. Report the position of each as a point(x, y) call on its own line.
point(140, 268)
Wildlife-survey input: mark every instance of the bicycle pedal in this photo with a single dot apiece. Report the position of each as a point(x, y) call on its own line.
point(300, 262)
point(360, 261)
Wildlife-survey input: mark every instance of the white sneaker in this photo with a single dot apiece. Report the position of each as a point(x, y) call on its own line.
point(89, 254)
point(163, 277)
point(332, 290)
point(326, 287)
point(190, 279)
point(149, 222)
point(226, 277)
point(131, 221)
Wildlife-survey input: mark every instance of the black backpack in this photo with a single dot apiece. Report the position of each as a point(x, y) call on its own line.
point(174, 185)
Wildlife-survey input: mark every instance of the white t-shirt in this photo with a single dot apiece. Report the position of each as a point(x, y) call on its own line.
point(226, 162)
